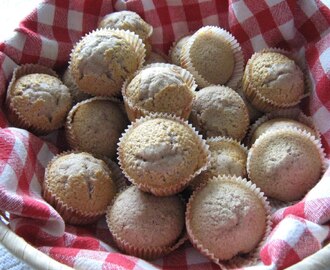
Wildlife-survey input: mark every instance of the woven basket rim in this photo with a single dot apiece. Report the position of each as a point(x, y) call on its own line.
point(38, 260)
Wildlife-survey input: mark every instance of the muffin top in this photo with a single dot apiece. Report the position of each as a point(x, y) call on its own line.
point(275, 77)
point(175, 51)
point(160, 89)
point(154, 57)
point(160, 153)
point(210, 53)
point(228, 157)
point(127, 20)
point(95, 126)
point(41, 100)
point(279, 123)
point(285, 163)
point(80, 181)
point(144, 220)
point(76, 94)
point(225, 218)
point(220, 111)
point(103, 59)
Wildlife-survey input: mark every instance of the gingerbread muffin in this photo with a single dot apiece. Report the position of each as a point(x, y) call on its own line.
point(285, 163)
point(227, 219)
point(272, 81)
point(220, 111)
point(95, 125)
point(144, 225)
point(37, 100)
point(161, 154)
point(102, 60)
point(162, 88)
point(79, 187)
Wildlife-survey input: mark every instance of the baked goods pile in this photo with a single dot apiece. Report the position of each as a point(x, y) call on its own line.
point(177, 131)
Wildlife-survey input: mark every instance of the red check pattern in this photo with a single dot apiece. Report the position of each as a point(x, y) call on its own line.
point(46, 37)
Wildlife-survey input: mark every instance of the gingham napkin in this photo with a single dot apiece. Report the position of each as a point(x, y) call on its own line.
point(47, 37)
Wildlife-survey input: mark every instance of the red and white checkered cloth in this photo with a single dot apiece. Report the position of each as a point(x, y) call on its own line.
point(47, 36)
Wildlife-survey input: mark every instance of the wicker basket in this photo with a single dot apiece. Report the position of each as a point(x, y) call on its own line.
point(38, 260)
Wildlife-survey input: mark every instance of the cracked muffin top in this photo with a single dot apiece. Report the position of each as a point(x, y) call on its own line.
point(80, 181)
point(272, 80)
point(127, 20)
point(41, 101)
point(102, 60)
point(220, 111)
point(161, 154)
point(160, 88)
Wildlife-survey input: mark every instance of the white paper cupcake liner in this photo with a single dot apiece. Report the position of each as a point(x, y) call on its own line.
point(237, 51)
point(175, 187)
point(237, 261)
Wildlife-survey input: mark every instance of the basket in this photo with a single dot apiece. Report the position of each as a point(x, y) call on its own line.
point(47, 36)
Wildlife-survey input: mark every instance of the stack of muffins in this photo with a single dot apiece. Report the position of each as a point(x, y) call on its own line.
point(176, 127)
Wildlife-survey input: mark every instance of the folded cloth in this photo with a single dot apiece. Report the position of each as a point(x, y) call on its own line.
point(46, 37)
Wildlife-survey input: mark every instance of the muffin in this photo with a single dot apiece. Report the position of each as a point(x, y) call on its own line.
point(37, 100)
point(220, 111)
point(162, 88)
point(272, 81)
point(102, 60)
point(175, 50)
point(227, 220)
point(228, 157)
point(79, 187)
point(161, 154)
point(285, 163)
point(213, 56)
point(76, 94)
point(95, 125)
point(144, 225)
point(129, 20)
point(281, 119)
point(154, 57)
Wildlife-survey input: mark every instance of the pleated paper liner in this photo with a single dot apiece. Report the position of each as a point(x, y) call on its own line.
point(147, 253)
point(134, 111)
point(291, 113)
point(13, 114)
point(68, 213)
point(70, 134)
point(240, 260)
point(96, 84)
point(307, 136)
point(175, 50)
point(206, 175)
point(237, 74)
point(180, 184)
point(259, 101)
